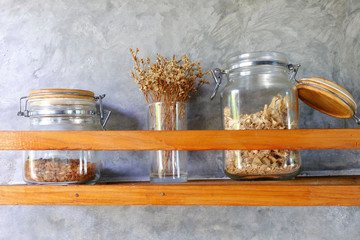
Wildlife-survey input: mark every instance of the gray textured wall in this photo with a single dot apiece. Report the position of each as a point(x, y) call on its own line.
point(84, 44)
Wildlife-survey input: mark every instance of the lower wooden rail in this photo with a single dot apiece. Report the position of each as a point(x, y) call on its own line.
point(333, 191)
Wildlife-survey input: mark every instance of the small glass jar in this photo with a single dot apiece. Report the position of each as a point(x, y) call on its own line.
point(259, 95)
point(62, 110)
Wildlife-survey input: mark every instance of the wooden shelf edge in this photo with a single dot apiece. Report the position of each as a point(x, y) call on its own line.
point(343, 191)
point(181, 140)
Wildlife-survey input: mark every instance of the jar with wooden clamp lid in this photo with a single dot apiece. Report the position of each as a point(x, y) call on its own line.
point(259, 95)
point(262, 93)
point(63, 110)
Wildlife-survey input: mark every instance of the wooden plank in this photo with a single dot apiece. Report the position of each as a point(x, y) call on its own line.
point(303, 193)
point(182, 140)
point(333, 180)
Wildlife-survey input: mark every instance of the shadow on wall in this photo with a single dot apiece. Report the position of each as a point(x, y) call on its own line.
point(120, 166)
point(120, 121)
point(125, 166)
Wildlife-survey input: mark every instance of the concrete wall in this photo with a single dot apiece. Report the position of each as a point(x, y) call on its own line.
point(84, 44)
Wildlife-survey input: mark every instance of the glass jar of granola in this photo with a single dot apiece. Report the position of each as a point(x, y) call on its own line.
point(259, 94)
point(62, 110)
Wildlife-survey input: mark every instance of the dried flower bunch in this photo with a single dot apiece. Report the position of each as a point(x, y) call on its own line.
point(260, 162)
point(170, 82)
point(167, 80)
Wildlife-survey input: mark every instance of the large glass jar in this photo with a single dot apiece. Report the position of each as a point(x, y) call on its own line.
point(259, 95)
point(62, 110)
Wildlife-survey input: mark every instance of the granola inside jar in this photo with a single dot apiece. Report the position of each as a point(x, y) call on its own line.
point(63, 110)
point(57, 168)
point(259, 95)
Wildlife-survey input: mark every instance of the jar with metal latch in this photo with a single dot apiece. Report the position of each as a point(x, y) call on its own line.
point(259, 94)
point(63, 110)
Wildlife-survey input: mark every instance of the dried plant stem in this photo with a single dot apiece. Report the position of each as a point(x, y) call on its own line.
point(167, 116)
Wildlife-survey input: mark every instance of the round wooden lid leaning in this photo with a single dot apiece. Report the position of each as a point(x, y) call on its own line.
point(326, 97)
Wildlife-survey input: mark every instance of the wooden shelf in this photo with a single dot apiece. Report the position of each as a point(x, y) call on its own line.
point(343, 191)
point(334, 191)
point(182, 140)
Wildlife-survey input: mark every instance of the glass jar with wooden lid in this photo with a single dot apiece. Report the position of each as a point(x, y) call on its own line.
point(259, 95)
point(62, 110)
point(262, 94)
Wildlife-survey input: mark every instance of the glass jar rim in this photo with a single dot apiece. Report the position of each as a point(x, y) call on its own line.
point(259, 58)
point(171, 102)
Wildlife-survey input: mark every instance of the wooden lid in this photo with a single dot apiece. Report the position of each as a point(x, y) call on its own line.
point(61, 93)
point(326, 97)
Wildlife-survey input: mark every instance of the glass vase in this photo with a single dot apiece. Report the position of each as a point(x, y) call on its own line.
point(167, 166)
